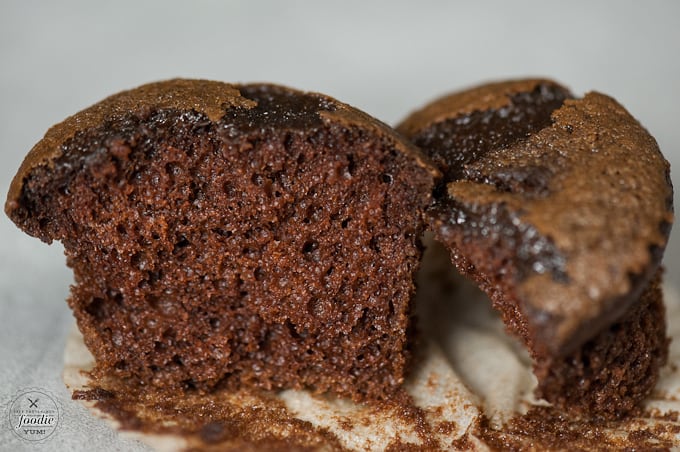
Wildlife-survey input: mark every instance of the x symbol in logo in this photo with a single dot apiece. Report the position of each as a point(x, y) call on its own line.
point(34, 403)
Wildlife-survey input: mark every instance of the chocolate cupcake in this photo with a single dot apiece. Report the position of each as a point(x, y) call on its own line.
point(560, 209)
point(233, 235)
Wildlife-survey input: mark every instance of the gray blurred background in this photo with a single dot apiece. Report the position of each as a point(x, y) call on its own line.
point(386, 58)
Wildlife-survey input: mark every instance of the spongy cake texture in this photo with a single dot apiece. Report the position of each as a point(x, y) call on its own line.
point(233, 234)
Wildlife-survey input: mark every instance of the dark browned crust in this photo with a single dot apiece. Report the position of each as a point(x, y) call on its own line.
point(560, 210)
point(230, 235)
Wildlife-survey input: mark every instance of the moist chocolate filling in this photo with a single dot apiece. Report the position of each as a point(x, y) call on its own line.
point(524, 249)
point(276, 109)
point(456, 142)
